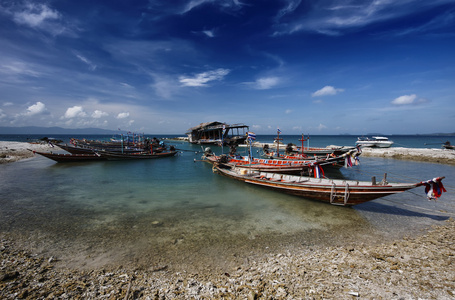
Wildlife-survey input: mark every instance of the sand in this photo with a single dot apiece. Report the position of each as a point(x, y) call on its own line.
point(421, 267)
point(14, 151)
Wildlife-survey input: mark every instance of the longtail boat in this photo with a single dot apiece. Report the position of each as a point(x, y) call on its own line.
point(139, 155)
point(333, 191)
point(59, 157)
point(289, 166)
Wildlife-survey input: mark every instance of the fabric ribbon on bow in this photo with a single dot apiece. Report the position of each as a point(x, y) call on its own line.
point(434, 188)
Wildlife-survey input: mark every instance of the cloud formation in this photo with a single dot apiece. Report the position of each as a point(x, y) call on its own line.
point(202, 79)
point(35, 109)
point(405, 100)
point(266, 83)
point(75, 111)
point(327, 91)
point(123, 115)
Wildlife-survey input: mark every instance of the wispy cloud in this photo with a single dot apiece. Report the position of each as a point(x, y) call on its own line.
point(335, 17)
point(37, 16)
point(327, 91)
point(91, 65)
point(266, 83)
point(202, 79)
point(408, 100)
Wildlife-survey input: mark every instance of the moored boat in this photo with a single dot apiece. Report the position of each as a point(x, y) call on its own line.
point(139, 155)
point(333, 191)
point(60, 157)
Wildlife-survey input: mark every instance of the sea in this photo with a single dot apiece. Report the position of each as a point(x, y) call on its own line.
point(175, 213)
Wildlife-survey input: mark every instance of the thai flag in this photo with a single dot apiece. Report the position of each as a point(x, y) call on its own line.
point(318, 172)
point(251, 135)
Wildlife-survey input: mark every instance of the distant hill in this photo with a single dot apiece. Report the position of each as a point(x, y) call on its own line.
point(53, 130)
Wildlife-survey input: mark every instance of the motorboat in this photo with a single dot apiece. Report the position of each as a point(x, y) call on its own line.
point(375, 141)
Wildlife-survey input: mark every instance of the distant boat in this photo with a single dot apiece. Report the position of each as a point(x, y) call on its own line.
point(334, 191)
point(375, 141)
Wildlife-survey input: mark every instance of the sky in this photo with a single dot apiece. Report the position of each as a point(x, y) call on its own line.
point(163, 66)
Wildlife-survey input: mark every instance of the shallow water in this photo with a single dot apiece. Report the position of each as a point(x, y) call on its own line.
point(177, 213)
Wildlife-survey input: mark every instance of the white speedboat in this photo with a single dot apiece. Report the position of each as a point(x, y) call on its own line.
point(375, 141)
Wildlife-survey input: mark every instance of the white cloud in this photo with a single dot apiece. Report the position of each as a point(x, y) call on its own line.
point(2, 115)
point(266, 83)
point(203, 78)
point(34, 15)
point(99, 114)
point(288, 111)
point(321, 127)
point(123, 115)
point(327, 91)
point(405, 99)
point(35, 109)
point(75, 111)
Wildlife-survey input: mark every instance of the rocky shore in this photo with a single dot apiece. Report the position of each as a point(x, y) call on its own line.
point(14, 151)
point(418, 267)
point(412, 268)
point(434, 155)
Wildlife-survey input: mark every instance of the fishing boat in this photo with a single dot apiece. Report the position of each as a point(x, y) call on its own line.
point(62, 158)
point(139, 155)
point(276, 165)
point(375, 141)
point(447, 145)
point(333, 191)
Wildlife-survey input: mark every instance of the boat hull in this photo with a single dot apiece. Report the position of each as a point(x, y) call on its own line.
point(130, 156)
point(337, 192)
point(62, 158)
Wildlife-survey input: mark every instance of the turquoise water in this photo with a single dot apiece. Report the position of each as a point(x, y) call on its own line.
point(176, 212)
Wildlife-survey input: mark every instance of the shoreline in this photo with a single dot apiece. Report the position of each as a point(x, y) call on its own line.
point(15, 151)
point(409, 268)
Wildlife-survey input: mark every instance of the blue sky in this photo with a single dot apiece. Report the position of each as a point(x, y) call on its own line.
point(317, 67)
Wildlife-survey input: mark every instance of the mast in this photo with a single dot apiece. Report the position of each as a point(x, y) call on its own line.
point(278, 142)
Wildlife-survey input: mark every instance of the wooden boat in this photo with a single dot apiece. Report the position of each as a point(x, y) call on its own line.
point(275, 165)
point(333, 191)
point(138, 155)
point(59, 157)
point(90, 150)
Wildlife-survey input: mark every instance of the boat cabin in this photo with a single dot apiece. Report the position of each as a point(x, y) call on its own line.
point(217, 133)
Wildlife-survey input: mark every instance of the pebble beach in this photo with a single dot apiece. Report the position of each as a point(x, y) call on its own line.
point(418, 267)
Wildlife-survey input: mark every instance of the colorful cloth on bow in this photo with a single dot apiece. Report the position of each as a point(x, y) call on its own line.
point(434, 189)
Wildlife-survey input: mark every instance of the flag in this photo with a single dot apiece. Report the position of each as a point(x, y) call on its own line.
point(251, 135)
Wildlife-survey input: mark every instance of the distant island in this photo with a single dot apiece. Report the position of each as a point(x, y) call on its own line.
point(54, 130)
